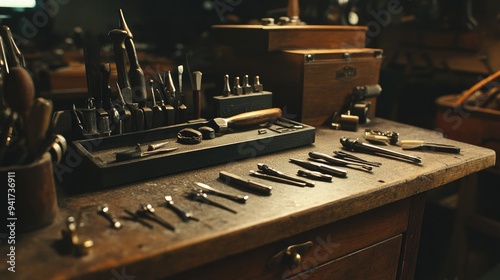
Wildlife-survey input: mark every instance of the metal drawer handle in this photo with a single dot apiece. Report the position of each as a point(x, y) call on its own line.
point(291, 255)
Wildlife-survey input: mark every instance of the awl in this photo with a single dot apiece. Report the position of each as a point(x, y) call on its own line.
point(323, 168)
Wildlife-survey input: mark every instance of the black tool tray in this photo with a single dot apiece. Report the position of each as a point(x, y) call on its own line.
point(100, 168)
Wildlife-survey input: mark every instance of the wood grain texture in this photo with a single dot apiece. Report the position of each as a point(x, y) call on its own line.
point(289, 211)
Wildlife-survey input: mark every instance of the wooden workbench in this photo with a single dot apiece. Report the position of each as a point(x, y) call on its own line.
point(365, 226)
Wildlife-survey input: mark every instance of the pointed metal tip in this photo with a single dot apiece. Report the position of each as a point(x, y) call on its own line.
point(123, 25)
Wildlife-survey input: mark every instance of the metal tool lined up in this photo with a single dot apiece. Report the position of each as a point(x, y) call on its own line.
point(269, 173)
point(356, 145)
point(130, 110)
point(337, 161)
point(241, 88)
point(203, 197)
point(322, 168)
point(210, 190)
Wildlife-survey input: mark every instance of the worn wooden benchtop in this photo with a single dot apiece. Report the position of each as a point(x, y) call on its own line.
point(137, 250)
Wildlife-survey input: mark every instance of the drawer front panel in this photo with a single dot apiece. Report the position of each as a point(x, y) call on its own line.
point(379, 261)
point(330, 242)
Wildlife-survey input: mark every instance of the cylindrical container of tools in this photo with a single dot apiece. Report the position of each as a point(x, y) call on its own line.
point(31, 194)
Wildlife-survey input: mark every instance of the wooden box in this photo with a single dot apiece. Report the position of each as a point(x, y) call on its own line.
point(257, 38)
point(309, 85)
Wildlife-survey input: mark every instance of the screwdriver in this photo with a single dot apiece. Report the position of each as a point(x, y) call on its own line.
point(320, 167)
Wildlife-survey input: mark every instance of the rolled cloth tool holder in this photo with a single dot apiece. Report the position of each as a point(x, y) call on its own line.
point(33, 201)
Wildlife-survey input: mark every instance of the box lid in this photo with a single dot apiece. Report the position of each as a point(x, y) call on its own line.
point(286, 37)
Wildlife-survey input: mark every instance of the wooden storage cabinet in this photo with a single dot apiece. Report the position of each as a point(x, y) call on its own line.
point(365, 244)
point(309, 85)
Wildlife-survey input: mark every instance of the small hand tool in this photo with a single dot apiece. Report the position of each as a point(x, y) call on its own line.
point(273, 172)
point(168, 110)
point(244, 119)
point(235, 197)
point(227, 88)
point(104, 211)
point(230, 178)
point(425, 146)
point(137, 218)
point(257, 86)
point(323, 168)
point(89, 118)
point(153, 147)
point(381, 137)
point(247, 88)
point(118, 37)
point(237, 89)
point(203, 197)
point(276, 179)
point(182, 108)
point(135, 73)
point(138, 119)
point(138, 153)
point(171, 93)
point(338, 161)
point(315, 175)
point(71, 238)
point(197, 94)
point(356, 145)
point(157, 110)
point(352, 158)
point(147, 211)
point(185, 216)
point(113, 114)
point(125, 114)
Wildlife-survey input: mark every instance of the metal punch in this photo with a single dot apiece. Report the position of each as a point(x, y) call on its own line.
point(104, 211)
point(234, 197)
point(354, 144)
point(201, 196)
point(267, 170)
point(184, 215)
point(338, 161)
point(355, 159)
point(147, 211)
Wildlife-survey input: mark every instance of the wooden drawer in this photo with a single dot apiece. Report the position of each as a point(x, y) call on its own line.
point(330, 242)
point(379, 261)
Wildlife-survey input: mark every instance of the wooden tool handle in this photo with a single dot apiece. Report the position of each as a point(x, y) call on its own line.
point(293, 9)
point(254, 117)
point(475, 88)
